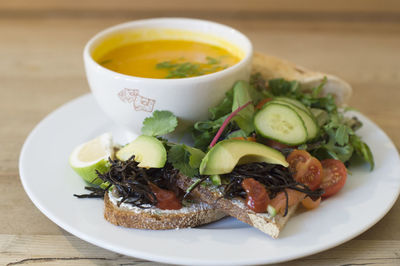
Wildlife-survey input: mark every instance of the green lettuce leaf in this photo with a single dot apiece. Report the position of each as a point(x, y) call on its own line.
point(241, 96)
point(223, 108)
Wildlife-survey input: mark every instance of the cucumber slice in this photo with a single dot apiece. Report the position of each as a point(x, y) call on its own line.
point(282, 123)
point(294, 102)
point(309, 120)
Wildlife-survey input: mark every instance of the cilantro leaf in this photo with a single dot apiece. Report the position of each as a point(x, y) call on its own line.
point(166, 64)
point(212, 60)
point(160, 123)
point(186, 159)
point(196, 156)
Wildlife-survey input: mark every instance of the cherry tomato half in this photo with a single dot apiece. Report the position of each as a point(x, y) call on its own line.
point(253, 139)
point(310, 204)
point(262, 102)
point(334, 176)
point(279, 202)
point(305, 168)
point(276, 145)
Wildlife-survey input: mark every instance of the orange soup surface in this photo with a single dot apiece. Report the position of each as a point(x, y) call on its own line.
point(168, 59)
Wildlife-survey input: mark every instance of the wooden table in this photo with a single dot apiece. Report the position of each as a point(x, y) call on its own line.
point(41, 68)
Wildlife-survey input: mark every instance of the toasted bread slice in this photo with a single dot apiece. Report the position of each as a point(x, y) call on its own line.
point(156, 219)
point(272, 67)
point(237, 208)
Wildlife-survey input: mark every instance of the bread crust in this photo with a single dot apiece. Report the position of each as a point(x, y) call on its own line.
point(272, 67)
point(158, 219)
point(237, 208)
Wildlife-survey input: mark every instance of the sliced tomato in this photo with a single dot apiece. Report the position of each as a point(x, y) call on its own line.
point(262, 102)
point(279, 202)
point(305, 168)
point(310, 204)
point(257, 197)
point(334, 176)
point(243, 138)
point(276, 145)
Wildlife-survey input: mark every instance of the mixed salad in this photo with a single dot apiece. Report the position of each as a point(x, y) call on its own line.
point(270, 143)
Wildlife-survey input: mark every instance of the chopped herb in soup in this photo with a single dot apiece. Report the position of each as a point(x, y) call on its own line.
point(168, 59)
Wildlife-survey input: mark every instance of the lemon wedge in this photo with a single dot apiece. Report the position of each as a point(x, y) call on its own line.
point(91, 156)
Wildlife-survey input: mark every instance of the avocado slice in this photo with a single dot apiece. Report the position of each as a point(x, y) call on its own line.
point(148, 151)
point(226, 154)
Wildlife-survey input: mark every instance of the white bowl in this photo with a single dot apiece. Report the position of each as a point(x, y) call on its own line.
point(128, 100)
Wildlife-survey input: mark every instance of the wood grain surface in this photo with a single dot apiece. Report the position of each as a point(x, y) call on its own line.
point(41, 68)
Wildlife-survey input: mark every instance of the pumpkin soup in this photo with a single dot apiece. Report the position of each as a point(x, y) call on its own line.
point(167, 59)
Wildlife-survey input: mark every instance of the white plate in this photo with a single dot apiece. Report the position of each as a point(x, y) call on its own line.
point(50, 183)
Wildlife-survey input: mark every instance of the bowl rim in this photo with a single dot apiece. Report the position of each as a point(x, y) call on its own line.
point(108, 31)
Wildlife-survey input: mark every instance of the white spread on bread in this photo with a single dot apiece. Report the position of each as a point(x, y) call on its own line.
point(154, 210)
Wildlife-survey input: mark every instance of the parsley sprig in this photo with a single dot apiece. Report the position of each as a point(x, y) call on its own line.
point(189, 69)
point(182, 157)
point(185, 158)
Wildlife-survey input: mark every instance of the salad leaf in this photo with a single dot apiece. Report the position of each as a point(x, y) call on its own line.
point(342, 134)
point(237, 134)
point(257, 89)
point(281, 87)
point(362, 150)
point(186, 159)
point(196, 156)
point(204, 131)
point(317, 90)
point(224, 108)
point(241, 96)
point(337, 139)
point(160, 123)
point(335, 151)
point(258, 82)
